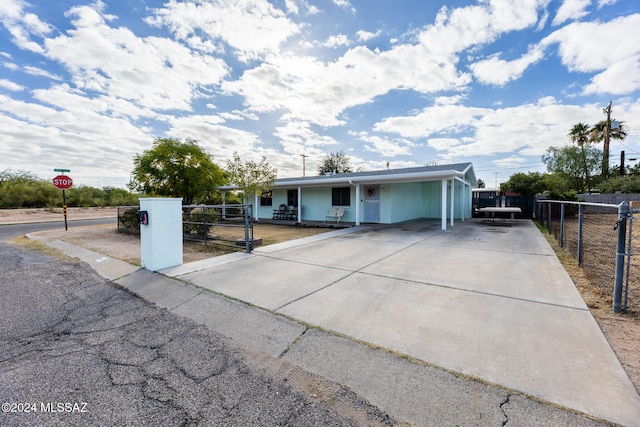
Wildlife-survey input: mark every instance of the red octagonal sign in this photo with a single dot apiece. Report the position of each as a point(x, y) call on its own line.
point(62, 182)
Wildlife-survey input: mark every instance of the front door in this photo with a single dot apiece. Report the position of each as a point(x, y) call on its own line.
point(371, 203)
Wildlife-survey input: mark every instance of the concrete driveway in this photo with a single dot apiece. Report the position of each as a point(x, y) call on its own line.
point(487, 300)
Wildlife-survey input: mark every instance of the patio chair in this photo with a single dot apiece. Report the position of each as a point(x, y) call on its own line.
point(280, 213)
point(291, 213)
point(335, 213)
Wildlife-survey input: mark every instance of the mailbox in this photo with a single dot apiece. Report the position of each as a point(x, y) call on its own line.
point(143, 217)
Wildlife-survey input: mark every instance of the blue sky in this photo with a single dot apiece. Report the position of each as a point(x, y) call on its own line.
point(87, 85)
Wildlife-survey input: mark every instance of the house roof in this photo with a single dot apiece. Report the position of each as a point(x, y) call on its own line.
point(416, 174)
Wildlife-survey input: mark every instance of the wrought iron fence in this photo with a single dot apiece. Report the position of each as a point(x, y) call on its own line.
point(128, 219)
point(228, 225)
point(601, 238)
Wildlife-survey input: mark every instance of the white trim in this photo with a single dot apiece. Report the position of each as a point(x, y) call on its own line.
point(369, 179)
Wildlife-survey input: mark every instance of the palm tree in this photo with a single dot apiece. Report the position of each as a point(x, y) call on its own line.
point(604, 131)
point(580, 134)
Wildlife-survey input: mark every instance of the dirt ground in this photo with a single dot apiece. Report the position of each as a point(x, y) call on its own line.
point(621, 330)
point(25, 216)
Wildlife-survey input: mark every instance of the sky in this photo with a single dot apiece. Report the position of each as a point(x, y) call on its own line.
point(86, 86)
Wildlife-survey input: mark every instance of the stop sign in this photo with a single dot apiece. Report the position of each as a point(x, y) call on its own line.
point(62, 182)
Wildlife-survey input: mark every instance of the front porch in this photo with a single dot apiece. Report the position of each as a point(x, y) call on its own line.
point(306, 223)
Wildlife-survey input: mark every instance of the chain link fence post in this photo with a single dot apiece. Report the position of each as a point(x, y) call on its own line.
point(580, 223)
point(621, 225)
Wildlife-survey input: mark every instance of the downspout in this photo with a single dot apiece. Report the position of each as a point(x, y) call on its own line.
point(357, 202)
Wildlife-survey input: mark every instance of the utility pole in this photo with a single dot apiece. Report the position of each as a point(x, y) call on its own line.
point(605, 148)
point(622, 163)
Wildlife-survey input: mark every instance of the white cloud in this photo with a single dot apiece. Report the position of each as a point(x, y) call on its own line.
point(345, 4)
point(23, 25)
point(35, 71)
point(620, 78)
point(496, 71)
point(571, 10)
point(337, 41)
point(364, 36)
point(45, 138)
point(12, 86)
point(510, 162)
point(433, 120)
point(603, 3)
point(221, 141)
point(153, 72)
point(253, 28)
point(386, 147)
point(615, 45)
point(443, 144)
point(459, 132)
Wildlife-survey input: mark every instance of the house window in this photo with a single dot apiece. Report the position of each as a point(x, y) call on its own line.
point(266, 199)
point(292, 198)
point(341, 196)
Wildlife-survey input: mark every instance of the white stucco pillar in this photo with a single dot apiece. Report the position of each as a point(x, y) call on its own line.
point(443, 213)
point(357, 204)
point(161, 236)
point(299, 205)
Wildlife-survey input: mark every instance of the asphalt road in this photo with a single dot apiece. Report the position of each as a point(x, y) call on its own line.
point(77, 350)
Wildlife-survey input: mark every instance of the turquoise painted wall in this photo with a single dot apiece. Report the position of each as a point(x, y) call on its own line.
point(398, 202)
point(316, 202)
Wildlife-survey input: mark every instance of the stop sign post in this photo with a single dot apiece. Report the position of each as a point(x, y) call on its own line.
point(63, 182)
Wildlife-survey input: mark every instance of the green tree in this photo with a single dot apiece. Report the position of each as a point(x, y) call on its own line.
point(579, 135)
point(527, 184)
point(251, 177)
point(481, 184)
point(624, 184)
point(25, 190)
point(568, 163)
point(335, 163)
point(172, 168)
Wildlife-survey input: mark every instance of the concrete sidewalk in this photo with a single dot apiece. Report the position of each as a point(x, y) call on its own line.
point(407, 315)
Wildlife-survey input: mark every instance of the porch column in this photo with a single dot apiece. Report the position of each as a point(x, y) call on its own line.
point(256, 204)
point(463, 197)
point(357, 204)
point(453, 203)
point(443, 214)
point(299, 205)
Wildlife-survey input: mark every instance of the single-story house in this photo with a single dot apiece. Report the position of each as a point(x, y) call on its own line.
point(385, 196)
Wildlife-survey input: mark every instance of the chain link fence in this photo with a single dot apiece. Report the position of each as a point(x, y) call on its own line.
point(601, 238)
point(227, 225)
